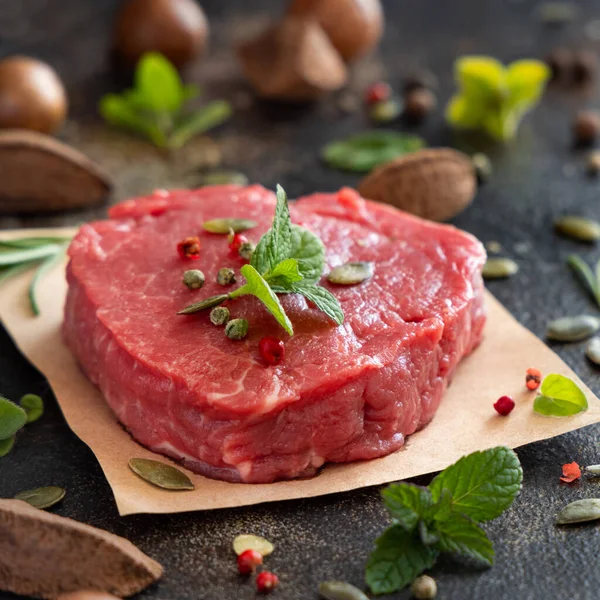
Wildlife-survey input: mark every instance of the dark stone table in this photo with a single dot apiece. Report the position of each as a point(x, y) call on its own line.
point(537, 177)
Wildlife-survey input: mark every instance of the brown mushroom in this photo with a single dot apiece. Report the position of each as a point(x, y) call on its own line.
point(178, 29)
point(353, 26)
point(292, 60)
point(32, 95)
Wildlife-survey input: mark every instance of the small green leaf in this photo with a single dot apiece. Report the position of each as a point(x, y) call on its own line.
point(44, 497)
point(6, 446)
point(31, 242)
point(483, 484)
point(407, 503)
point(48, 264)
point(12, 418)
point(322, 298)
point(363, 152)
point(284, 274)
point(309, 250)
point(427, 535)
point(561, 397)
point(480, 77)
point(526, 80)
point(257, 286)
point(462, 536)
point(586, 277)
point(17, 256)
point(33, 405)
point(208, 117)
point(398, 558)
point(158, 84)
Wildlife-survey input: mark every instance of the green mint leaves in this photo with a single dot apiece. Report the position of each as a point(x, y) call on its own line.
point(560, 397)
point(13, 418)
point(288, 259)
point(155, 107)
point(589, 279)
point(443, 518)
point(493, 97)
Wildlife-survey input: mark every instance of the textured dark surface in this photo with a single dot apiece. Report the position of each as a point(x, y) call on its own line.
point(536, 177)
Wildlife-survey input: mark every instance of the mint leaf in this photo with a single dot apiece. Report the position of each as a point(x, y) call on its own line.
point(6, 446)
point(275, 245)
point(482, 484)
point(284, 274)
point(309, 250)
point(460, 535)
point(257, 286)
point(157, 83)
point(33, 405)
point(561, 397)
point(398, 558)
point(206, 118)
point(322, 298)
point(12, 418)
point(407, 503)
point(427, 535)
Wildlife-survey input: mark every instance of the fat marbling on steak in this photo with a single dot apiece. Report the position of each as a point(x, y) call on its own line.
point(346, 393)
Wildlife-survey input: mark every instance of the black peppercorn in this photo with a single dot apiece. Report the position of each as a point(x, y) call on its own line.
point(418, 104)
point(585, 65)
point(586, 127)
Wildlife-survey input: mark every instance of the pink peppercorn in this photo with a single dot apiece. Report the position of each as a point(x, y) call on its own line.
point(378, 92)
point(271, 349)
point(266, 582)
point(504, 405)
point(248, 560)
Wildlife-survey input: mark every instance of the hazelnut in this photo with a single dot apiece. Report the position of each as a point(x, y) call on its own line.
point(178, 29)
point(586, 127)
point(293, 60)
point(32, 95)
point(585, 65)
point(353, 26)
point(418, 104)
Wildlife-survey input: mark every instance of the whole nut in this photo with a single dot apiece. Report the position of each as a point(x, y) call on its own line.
point(32, 95)
point(586, 127)
point(178, 29)
point(435, 183)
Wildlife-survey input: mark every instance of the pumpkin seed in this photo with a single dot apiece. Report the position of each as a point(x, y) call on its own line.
point(578, 228)
point(572, 329)
point(499, 268)
point(579, 511)
point(244, 542)
point(340, 590)
point(33, 405)
point(43, 497)
point(228, 225)
point(223, 177)
point(351, 273)
point(204, 304)
point(592, 350)
point(160, 474)
point(593, 469)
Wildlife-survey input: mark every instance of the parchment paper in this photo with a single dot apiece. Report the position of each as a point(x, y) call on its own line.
point(465, 421)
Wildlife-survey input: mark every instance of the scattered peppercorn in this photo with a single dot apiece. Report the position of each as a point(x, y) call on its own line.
point(504, 405)
point(586, 127)
point(219, 315)
point(385, 111)
point(585, 66)
point(421, 79)
point(266, 582)
point(248, 560)
point(378, 92)
point(246, 250)
point(236, 329)
point(271, 349)
point(235, 241)
point(570, 472)
point(533, 379)
point(424, 588)
point(418, 104)
point(593, 163)
point(483, 167)
point(226, 276)
point(560, 62)
point(194, 279)
point(189, 248)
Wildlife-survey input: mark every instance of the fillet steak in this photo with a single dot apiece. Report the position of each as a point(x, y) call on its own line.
point(346, 393)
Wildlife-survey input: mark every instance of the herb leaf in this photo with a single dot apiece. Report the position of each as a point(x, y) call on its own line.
point(585, 276)
point(483, 484)
point(363, 152)
point(12, 418)
point(33, 405)
point(398, 558)
point(13, 257)
point(213, 114)
point(49, 263)
point(461, 536)
point(324, 300)
point(286, 273)
point(407, 503)
point(309, 250)
point(257, 286)
point(560, 397)
point(6, 446)
point(158, 84)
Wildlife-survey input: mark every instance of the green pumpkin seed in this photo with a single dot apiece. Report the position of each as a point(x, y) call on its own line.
point(499, 268)
point(33, 405)
point(43, 497)
point(340, 590)
point(12, 418)
point(579, 511)
point(557, 13)
point(593, 469)
point(578, 228)
point(252, 542)
point(351, 273)
point(572, 329)
point(204, 304)
point(223, 177)
point(592, 350)
point(227, 225)
point(160, 474)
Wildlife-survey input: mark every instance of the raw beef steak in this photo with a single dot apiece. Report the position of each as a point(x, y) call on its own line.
point(353, 392)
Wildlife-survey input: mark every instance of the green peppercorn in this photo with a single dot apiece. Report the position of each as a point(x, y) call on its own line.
point(482, 166)
point(246, 250)
point(219, 315)
point(225, 276)
point(236, 329)
point(385, 111)
point(194, 279)
point(424, 588)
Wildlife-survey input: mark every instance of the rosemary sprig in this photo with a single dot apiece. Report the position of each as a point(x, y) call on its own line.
point(22, 254)
point(589, 280)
